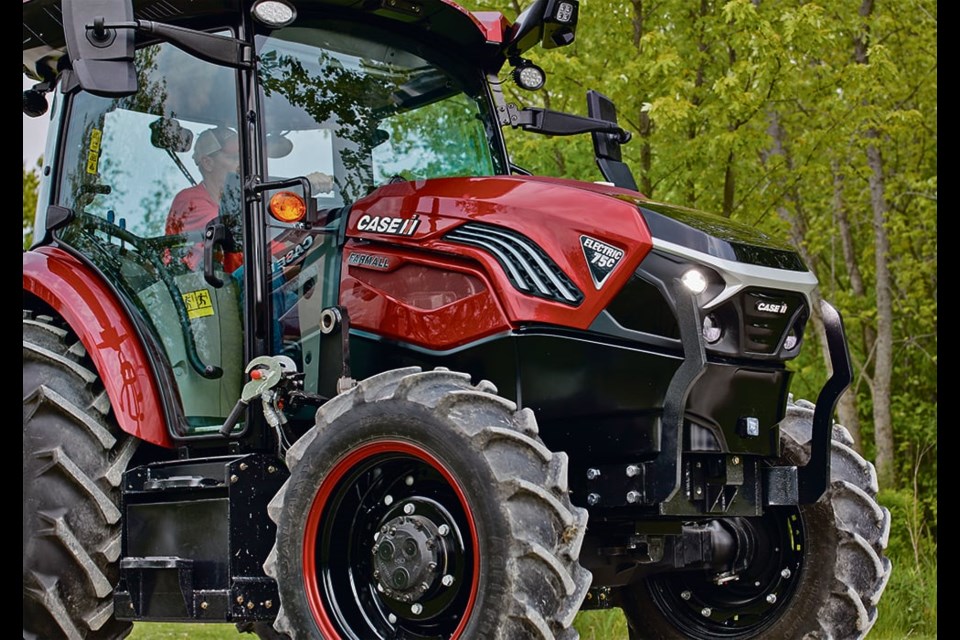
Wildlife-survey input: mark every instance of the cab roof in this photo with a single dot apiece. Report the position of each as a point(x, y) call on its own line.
point(477, 36)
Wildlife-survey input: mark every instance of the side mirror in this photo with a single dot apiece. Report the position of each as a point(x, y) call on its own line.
point(606, 146)
point(552, 23)
point(101, 57)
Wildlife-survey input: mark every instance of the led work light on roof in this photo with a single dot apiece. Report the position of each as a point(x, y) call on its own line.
point(274, 13)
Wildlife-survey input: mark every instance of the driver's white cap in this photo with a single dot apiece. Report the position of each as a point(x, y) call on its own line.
point(213, 140)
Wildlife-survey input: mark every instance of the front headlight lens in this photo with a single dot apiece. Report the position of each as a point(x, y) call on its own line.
point(712, 332)
point(694, 281)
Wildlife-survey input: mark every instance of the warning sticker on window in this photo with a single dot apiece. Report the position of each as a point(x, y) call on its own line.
point(93, 151)
point(198, 304)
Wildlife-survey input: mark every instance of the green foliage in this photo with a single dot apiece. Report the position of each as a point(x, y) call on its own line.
point(31, 182)
point(909, 605)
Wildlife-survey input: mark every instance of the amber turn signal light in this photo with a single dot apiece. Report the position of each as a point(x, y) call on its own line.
point(287, 206)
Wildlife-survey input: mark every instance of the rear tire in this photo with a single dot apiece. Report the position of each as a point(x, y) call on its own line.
point(825, 567)
point(423, 506)
point(73, 458)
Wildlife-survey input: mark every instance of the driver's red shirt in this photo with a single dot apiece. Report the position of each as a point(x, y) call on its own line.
point(191, 210)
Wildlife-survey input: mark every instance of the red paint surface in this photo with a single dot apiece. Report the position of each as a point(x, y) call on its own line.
point(402, 304)
point(108, 335)
point(551, 212)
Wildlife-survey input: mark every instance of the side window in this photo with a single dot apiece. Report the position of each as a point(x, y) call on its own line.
point(144, 174)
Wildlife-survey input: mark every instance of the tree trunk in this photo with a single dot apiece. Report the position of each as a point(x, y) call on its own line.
point(847, 411)
point(883, 368)
point(883, 362)
point(646, 126)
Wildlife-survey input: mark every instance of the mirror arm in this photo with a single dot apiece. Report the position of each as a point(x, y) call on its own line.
point(209, 47)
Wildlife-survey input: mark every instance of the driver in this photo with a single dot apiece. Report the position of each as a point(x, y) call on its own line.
point(217, 155)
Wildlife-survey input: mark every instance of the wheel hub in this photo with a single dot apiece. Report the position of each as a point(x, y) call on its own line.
point(406, 556)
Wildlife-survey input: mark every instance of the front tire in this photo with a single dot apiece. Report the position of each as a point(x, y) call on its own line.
point(819, 573)
point(422, 506)
point(73, 458)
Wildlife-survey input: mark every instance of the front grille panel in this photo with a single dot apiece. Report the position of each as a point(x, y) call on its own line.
point(529, 269)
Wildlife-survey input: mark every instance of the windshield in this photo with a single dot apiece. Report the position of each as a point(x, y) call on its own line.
point(367, 111)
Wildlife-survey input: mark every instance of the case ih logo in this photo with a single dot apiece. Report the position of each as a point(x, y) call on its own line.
point(772, 307)
point(388, 225)
point(602, 259)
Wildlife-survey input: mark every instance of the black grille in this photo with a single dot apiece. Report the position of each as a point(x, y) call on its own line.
point(766, 317)
point(527, 266)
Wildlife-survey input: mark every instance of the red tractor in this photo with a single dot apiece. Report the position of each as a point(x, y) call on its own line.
point(304, 351)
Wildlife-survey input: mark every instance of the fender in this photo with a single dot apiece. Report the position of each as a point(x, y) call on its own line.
point(97, 317)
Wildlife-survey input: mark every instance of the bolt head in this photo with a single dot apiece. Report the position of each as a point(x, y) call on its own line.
point(685, 595)
point(271, 469)
point(416, 608)
point(443, 529)
point(593, 499)
point(593, 474)
point(268, 604)
point(705, 612)
point(204, 604)
point(633, 497)
point(250, 605)
point(771, 598)
point(408, 508)
point(446, 580)
point(785, 573)
point(388, 500)
point(243, 466)
point(408, 481)
point(392, 619)
point(233, 478)
point(632, 470)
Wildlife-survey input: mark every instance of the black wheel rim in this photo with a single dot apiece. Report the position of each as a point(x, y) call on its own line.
point(390, 547)
point(696, 604)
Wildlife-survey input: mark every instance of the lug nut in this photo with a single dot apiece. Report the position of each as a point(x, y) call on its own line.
point(443, 529)
point(446, 580)
point(593, 499)
point(416, 608)
point(785, 573)
point(771, 598)
point(685, 595)
point(633, 497)
point(705, 612)
point(408, 481)
point(632, 470)
point(392, 619)
point(388, 500)
point(408, 508)
point(593, 474)
point(736, 460)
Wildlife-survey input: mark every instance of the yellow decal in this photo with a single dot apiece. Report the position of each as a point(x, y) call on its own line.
point(93, 151)
point(92, 160)
point(95, 137)
point(198, 304)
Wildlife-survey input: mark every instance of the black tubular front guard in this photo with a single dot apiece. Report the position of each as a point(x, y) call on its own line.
point(815, 476)
point(811, 479)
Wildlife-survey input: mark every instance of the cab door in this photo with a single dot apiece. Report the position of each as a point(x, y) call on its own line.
point(128, 168)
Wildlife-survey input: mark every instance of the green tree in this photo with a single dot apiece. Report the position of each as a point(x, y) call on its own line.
point(31, 182)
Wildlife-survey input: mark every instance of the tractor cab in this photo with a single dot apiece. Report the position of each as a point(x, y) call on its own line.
point(203, 164)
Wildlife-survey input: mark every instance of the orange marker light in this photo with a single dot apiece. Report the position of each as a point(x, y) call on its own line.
point(287, 206)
